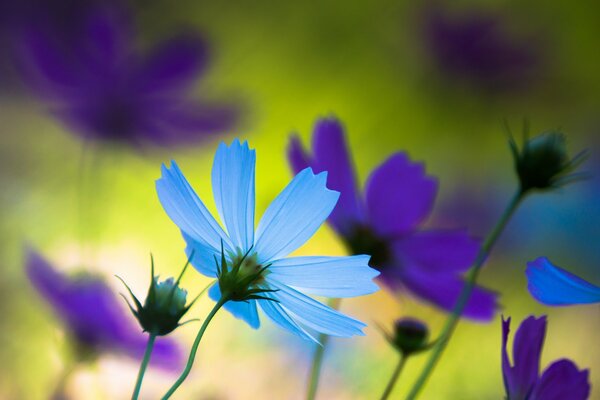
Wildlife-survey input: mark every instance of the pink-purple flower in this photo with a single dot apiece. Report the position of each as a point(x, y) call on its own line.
point(522, 380)
point(93, 76)
point(93, 316)
point(386, 222)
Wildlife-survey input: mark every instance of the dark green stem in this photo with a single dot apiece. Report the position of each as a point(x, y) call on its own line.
point(192, 356)
point(317, 362)
point(463, 299)
point(394, 378)
point(145, 361)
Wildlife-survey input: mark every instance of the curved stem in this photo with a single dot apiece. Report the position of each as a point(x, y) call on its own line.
point(192, 356)
point(145, 361)
point(394, 378)
point(463, 299)
point(317, 362)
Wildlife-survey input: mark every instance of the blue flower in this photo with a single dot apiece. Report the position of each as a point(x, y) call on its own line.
point(554, 286)
point(291, 219)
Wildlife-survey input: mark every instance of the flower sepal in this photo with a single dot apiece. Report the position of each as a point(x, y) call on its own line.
point(241, 279)
point(164, 306)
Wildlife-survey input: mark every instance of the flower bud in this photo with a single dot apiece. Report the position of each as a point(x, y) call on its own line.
point(164, 306)
point(543, 162)
point(410, 336)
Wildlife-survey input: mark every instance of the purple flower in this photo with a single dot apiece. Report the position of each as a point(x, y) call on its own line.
point(94, 316)
point(555, 286)
point(97, 82)
point(385, 223)
point(477, 48)
point(561, 380)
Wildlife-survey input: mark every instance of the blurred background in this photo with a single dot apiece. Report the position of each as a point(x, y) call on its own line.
point(84, 130)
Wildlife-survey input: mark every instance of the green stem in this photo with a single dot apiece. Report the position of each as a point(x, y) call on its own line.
point(463, 299)
point(317, 362)
point(192, 357)
point(145, 361)
point(394, 378)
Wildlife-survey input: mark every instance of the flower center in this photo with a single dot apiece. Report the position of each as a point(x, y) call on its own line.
point(363, 240)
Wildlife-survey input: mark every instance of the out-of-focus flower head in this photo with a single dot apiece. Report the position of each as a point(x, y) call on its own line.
point(543, 162)
point(385, 223)
point(409, 337)
point(93, 316)
point(94, 77)
point(252, 267)
point(476, 47)
point(522, 380)
point(554, 286)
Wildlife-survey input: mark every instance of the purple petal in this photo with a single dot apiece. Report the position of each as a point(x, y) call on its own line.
point(109, 328)
point(297, 156)
point(555, 286)
point(562, 380)
point(174, 65)
point(331, 154)
point(399, 195)
point(438, 251)
point(443, 290)
point(507, 374)
point(527, 349)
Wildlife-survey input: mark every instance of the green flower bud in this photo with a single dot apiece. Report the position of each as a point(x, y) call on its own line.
point(164, 306)
point(543, 162)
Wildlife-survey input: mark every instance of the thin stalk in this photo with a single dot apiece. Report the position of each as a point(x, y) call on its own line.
point(192, 356)
point(317, 362)
point(463, 299)
point(394, 378)
point(145, 361)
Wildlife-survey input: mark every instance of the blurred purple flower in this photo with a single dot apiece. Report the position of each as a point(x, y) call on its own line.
point(555, 286)
point(96, 81)
point(94, 316)
point(476, 47)
point(522, 381)
point(385, 224)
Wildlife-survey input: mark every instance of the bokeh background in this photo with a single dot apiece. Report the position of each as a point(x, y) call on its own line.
point(438, 80)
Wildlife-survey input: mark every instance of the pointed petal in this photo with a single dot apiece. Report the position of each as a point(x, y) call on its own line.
point(507, 373)
point(527, 349)
point(399, 195)
point(278, 315)
point(233, 188)
point(555, 286)
point(315, 315)
point(331, 154)
point(562, 380)
point(187, 211)
point(438, 251)
point(443, 290)
point(326, 276)
point(294, 216)
point(246, 311)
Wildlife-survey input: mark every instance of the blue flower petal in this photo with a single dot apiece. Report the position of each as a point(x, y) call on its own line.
point(202, 256)
point(233, 189)
point(554, 286)
point(187, 211)
point(278, 315)
point(244, 310)
point(326, 276)
point(315, 315)
point(294, 216)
